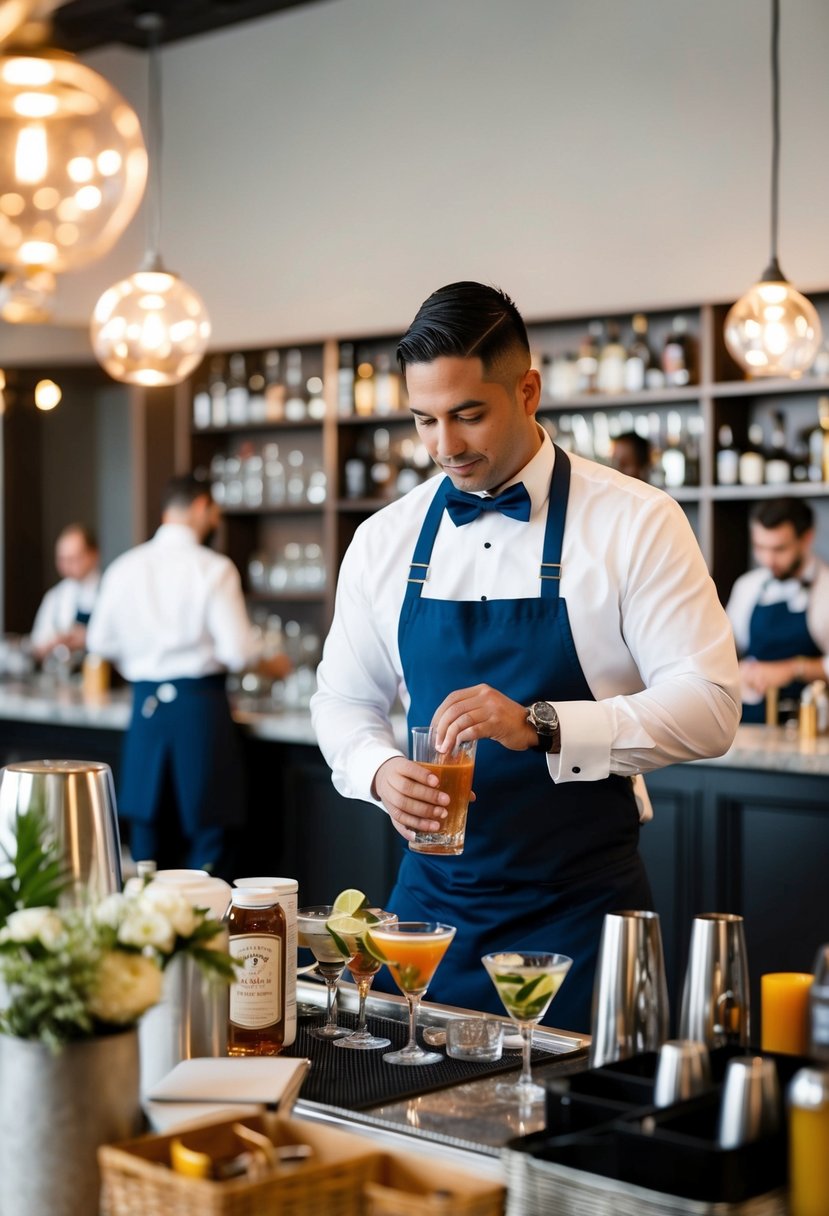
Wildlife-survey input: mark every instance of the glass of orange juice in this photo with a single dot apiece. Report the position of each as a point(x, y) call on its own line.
point(454, 772)
point(412, 950)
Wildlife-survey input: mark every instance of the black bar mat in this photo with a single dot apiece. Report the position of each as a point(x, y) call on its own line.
point(358, 1080)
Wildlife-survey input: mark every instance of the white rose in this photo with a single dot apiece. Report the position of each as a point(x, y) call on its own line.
point(145, 927)
point(127, 985)
point(134, 886)
point(34, 924)
point(111, 911)
point(176, 907)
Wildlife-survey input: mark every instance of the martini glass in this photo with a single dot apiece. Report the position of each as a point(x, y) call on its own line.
point(526, 982)
point(313, 934)
point(412, 950)
point(349, 936)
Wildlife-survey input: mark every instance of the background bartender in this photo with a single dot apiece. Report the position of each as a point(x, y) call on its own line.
point(172, 616)
point(64, 612)
point(549, 582)
point(780, 611)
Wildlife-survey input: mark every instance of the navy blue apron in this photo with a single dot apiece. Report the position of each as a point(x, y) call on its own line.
point(81, 617)
point(775, 632)
point(542, 863)
point(183, 728)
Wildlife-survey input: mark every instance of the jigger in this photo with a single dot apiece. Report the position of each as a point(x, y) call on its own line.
point(78, 798)
point(715, 995)
point(630, 995)
point(682, 1071)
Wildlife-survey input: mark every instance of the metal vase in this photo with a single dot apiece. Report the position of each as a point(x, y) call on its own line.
point(630, 993)
point(55, 1110)
point(78, 797)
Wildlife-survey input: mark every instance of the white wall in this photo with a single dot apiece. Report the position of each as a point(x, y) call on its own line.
point(326, 168)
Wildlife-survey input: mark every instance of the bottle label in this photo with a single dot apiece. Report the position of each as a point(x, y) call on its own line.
point(256, 995)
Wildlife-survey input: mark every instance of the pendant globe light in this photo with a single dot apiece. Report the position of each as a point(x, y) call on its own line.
point(12, 15)
point(773, 330)
point(152, 328)
point(27, 296)
point(73, 165)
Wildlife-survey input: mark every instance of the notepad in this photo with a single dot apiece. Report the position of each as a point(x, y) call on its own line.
point(261, 1080)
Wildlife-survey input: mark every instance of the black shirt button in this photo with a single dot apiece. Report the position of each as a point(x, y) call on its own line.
point(483, 597)
point(576, 768)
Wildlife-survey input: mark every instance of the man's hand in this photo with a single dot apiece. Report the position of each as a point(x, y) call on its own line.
point(410, 794)
point(761, 676)
point(277, 667)
point(483, 713)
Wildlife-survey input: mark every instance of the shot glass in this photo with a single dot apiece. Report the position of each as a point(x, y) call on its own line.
point(750, 1106)
point(682, 1071)
point(480, 1040)
point(454, 771)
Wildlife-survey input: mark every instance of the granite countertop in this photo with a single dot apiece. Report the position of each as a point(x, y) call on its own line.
point(773, 749)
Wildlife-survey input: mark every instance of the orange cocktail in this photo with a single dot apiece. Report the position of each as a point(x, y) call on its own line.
point(412, 951)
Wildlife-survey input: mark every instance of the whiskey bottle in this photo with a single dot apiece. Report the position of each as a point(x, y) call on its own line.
point(364, 388)
point(345, 380)
point(640, 360)
point(610, 377)
point(386, 386)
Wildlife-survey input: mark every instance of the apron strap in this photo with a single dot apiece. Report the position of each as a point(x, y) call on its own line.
point(550, 571)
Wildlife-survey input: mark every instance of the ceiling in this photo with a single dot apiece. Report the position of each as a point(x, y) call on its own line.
point(81, 25)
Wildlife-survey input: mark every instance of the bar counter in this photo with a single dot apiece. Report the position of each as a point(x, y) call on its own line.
point(747, 832)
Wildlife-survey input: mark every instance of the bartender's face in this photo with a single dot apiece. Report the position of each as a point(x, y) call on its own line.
point(73, 557)
point(781, 550)
point(480, 432)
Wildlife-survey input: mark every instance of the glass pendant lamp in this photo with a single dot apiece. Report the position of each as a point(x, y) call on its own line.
point(151, 328)
point(73, 165)
point(27, 296)
point(773, 330)
point(12, 15)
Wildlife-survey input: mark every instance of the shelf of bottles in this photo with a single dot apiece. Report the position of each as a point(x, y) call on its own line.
point(380, 457)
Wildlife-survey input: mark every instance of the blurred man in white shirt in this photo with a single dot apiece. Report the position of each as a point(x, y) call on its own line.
point(171, 615)
point(65, 609)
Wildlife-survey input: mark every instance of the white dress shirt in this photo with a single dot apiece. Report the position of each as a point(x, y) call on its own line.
point(653, 640)
point(809, 592)
point(172, 609)
point(59, 607)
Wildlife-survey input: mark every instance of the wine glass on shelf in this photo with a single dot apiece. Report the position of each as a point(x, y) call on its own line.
point(412, 951)
point(313, 935)
point(526, 981)
point(348, 933)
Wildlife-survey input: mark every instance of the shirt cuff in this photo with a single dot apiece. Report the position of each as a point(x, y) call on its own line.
point(586, 739)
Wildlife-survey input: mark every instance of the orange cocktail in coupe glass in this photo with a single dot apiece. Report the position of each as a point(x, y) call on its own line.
point(454, 773)
point(412, 950)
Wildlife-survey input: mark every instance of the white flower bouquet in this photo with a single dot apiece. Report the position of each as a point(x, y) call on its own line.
point(74, 973)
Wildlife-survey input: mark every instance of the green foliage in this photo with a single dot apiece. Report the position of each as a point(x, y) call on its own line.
point(39, 875)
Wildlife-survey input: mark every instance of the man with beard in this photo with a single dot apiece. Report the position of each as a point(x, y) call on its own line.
point(780, 611)
point(171, 615)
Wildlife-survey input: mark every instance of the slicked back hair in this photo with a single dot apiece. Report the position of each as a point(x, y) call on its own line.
point(180, 492)
point(467, 320)
point(777, 511)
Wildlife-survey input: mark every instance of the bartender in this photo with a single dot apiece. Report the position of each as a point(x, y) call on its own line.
point(780, 611)
point(545, 605)
point(64, 612)
point(172, 616)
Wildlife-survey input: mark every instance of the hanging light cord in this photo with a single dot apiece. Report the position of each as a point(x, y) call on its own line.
point(773, 271)
point(151, 24)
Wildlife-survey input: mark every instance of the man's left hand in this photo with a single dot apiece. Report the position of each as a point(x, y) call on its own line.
point(760, 676)
point(483, 712)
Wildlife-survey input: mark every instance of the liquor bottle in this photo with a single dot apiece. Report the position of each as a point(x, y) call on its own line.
point(381, 472)
point(778, 462)
point(610, 377)
point(728, 458)
point(752, 467)
point(588, 359)
point(237, 391)
point(386, 386)
point(274, 473)
point(257, 940)
point(316, 401)
point(693, 443)
point(295, 405)
point(679, 355)
point(640, 360)
point(673, 456)
point(564, 376)
point(819, 444)
point(285, 890)
point(345, 380)
point(364, 388)
point(257, 406)
point(217, 388)
point(202, 412)
point(274, 388)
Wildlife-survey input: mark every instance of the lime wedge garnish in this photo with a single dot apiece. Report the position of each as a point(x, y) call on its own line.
point(348, 902)
point(338, 942)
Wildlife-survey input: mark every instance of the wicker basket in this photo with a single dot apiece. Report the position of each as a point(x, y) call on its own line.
point(137, 1179)
point(403, 1185)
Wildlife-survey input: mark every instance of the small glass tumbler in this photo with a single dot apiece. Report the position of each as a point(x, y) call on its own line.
point(480, 1040)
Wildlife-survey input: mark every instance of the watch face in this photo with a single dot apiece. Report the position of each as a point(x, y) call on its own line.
point(544, 714)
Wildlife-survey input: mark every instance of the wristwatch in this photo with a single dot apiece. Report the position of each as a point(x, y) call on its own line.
point(544, 721)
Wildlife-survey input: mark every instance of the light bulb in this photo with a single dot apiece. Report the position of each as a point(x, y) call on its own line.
point(773, 330)
point(150, 329)
point(47, 394)
point(73, 164)
point(12, 15)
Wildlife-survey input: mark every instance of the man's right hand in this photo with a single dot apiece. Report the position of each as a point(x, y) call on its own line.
point(410, 794)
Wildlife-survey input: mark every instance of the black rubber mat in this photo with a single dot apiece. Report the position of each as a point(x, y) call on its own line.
point(358, 1080)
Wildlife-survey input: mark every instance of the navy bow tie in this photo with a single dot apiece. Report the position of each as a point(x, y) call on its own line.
point(463, 507)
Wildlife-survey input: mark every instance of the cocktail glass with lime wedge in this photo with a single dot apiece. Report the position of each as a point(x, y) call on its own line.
point(350, 937)
point(313, 935)
point(526, 982)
